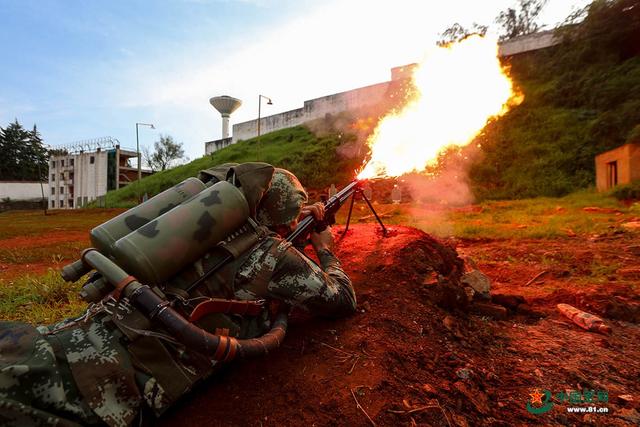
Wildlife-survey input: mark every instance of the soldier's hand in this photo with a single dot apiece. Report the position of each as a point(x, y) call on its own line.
point(316, 209)
point(322, 240)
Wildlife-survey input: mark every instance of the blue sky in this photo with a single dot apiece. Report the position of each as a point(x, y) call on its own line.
point(87, 69)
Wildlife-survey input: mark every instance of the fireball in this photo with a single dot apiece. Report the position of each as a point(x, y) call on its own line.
point(459, 88)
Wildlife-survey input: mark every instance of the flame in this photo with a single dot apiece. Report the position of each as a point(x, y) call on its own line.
point(459, 87)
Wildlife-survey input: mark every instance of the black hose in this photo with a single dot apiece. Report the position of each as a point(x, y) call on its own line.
point(155, 308)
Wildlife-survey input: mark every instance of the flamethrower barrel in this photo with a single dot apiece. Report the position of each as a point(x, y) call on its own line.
point(157, 309)
point(331, 207)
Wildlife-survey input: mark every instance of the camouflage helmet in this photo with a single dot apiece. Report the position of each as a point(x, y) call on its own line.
point(283, 201)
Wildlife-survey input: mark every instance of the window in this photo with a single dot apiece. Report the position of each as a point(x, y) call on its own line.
point(79, 202)
point(53, 203)
point(53, 177)
point(71, 163)
point(62, 203)
point(61, 190)
point(62, 163)
point(53, 190)
point(70, 203)
point(53, 164)
point(92, 159)
point(61, 176)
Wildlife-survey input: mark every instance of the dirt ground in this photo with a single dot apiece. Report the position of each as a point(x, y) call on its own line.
point(402, 360)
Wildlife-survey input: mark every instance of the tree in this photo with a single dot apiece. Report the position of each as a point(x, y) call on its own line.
point(520, 22)
point(166, 151)
point(24, 156)
point(457, 32)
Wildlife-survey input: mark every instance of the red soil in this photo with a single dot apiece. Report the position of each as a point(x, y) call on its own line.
point(406, 361)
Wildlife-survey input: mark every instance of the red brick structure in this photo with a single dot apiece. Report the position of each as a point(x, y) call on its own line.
point(618, 166)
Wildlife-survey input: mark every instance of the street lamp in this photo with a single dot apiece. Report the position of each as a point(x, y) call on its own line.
point(138, 147)
point(269, 102)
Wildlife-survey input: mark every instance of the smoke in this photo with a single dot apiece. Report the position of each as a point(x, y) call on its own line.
point(448, 184)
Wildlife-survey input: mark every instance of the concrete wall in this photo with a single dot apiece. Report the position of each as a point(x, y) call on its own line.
point(218, 144)
point(22, 190)
point(521, 44)
point(627, 165)
point(314, 109)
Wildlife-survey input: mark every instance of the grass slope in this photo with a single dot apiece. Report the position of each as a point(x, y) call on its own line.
point(582, 97)
point(312, 158)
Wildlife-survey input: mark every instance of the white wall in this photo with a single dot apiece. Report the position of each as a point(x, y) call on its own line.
point(313, 109)
point(21, 190)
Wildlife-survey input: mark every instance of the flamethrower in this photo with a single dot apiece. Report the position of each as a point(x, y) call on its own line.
point(331, 207)
point(117, 281)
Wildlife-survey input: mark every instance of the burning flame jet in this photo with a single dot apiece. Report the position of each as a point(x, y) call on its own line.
point(459, 88)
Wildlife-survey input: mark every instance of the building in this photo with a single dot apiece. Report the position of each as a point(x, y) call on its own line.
point(77, 177)
point(358, 101)
point(618, 166)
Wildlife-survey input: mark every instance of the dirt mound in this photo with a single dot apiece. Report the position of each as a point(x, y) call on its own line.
point(402, 360)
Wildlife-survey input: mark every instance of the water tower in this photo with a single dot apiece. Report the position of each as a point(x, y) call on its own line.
point(225, 105)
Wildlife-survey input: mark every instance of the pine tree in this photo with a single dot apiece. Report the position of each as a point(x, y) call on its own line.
point(24, 157)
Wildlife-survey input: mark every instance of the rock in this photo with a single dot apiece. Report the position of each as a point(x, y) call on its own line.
point(447, 295)
point(464, 373)
point(630, 415)
point(509, 301)
point(632, 225)
point(366, 306)
point(492, 310)
point(479, 282)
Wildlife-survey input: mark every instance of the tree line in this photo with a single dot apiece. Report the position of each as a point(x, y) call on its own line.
point(23, 155)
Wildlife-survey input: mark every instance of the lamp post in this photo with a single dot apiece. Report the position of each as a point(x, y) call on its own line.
point(269, 102)
point(138, 147)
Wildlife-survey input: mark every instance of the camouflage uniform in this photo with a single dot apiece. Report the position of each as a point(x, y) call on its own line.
point(110, 365)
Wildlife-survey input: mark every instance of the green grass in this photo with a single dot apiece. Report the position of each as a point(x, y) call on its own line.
point(39, 299)
point(311, 157)
point(537, 218)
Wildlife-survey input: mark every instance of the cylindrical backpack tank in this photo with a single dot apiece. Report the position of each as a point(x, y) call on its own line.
point(161, 248)
point(104, 236)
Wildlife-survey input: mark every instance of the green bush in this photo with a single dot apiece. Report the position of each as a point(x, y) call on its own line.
point(627, 192)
